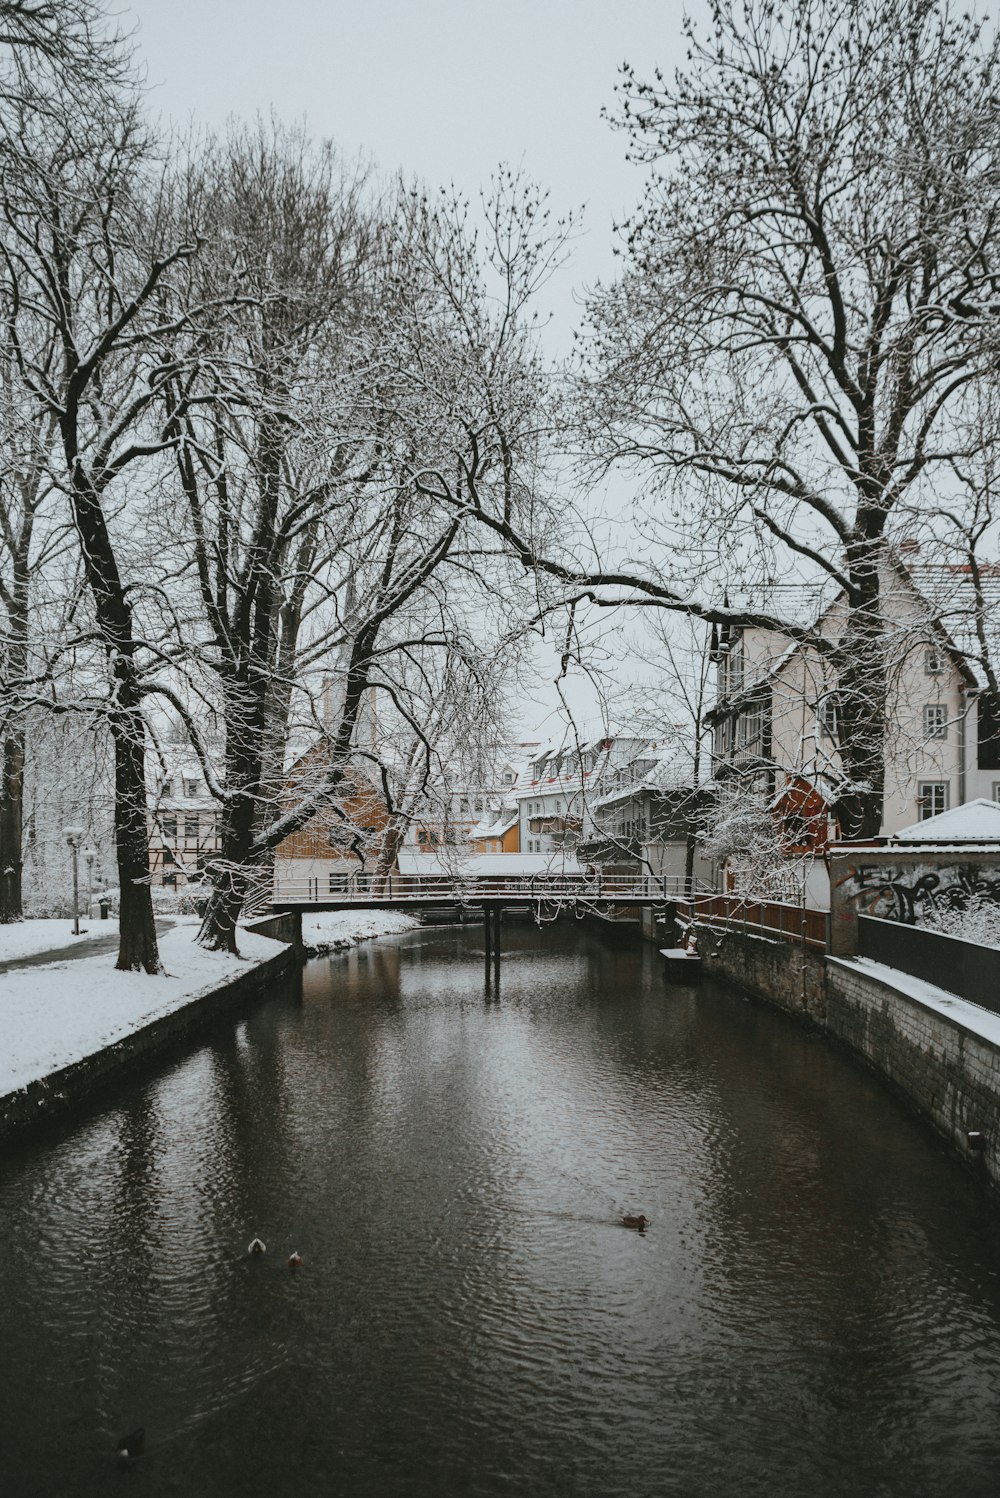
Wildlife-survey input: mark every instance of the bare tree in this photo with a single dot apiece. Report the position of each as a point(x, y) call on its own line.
point(810, 297)
point(84, 257)
point(809, 300)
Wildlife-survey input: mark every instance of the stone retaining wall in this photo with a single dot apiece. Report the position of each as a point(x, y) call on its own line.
point(785, 973)
point(951, 1073)
point(60, 1091)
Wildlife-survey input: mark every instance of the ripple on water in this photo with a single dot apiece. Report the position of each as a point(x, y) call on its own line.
point(814, 1308)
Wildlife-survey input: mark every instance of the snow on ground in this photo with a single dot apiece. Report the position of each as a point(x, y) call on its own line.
point(25, 938)
point(53, 1015)
point(336, 930)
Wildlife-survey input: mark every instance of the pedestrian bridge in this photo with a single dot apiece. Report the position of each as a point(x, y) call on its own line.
point(409, 892)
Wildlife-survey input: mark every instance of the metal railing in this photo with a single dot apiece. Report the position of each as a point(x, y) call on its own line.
point(395, 888)
point(768, 917)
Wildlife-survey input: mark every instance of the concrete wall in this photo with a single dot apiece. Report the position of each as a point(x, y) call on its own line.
point(62, 1090)
point(286, 927)
point(901, 882)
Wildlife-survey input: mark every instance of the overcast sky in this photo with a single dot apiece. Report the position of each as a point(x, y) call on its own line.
point(445, 90)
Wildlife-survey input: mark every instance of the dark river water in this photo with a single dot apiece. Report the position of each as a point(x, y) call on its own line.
point(814, 1309)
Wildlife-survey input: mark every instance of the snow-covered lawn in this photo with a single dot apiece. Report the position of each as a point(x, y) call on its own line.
point(335, 930)
point(53, 1015)
point(24, 938)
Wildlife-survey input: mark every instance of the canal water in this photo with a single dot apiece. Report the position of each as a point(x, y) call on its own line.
point(813, 1310)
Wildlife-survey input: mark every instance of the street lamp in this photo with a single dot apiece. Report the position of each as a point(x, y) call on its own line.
point(89, 855)
point(74, 837)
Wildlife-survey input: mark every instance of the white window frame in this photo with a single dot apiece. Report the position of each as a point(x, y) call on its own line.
point(828, 717)
point(927, 795)
point(935, 720)
point(934, 660)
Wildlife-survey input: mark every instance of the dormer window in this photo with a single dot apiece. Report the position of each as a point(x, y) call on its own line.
point(933, 661)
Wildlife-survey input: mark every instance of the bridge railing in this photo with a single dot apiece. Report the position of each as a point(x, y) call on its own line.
point(773, 917)
point(393, 888)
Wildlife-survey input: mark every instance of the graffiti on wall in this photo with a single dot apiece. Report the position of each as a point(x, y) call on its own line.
point(913, 892)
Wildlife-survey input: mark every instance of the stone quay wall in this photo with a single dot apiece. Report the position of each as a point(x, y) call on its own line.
point(948, 1071)
point(785, 973)
point(59, 1092)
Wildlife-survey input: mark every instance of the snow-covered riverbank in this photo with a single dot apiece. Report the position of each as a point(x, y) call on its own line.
point(63, 1012)
point(339, 930)
point(57, 1014)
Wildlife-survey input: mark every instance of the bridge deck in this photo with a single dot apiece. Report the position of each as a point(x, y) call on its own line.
point(424, 902)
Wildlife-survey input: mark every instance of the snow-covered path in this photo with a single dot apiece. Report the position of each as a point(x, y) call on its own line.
point(26, 938)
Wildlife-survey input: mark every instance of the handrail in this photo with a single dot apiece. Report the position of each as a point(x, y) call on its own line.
point(776, 917)
point(463, 887)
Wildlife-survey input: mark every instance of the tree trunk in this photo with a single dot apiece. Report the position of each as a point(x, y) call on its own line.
point(230, 871)
point(861, 691)
point(137, 947)
point(11, 820)
point(392, 841)
point(12, 766)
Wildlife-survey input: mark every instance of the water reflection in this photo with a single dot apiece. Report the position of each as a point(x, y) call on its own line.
point(815, 1307)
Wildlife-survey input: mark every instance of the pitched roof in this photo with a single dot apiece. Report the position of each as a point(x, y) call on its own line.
point(974, 821)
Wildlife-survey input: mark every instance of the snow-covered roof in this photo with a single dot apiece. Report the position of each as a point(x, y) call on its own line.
point(457, 864)
point(672, 770)
point(494, 829)
point(960, 603)
point(974, 821)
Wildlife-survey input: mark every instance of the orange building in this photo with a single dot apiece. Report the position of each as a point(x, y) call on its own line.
point(338, 847)
point(502, 837)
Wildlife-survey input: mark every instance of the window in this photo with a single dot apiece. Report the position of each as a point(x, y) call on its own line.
point(170, 881)
point(935, 721)
point(168, 788)
point(736, 661)
point(828, 714)
point(190, 785)
point(169, 825)
point(996, 790)
point(168, 857)
point(191, 827)
point(337, 884)
point(750, 728)
point(988, 733)
point(933, 661)
point(932, 798)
